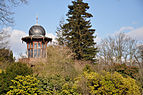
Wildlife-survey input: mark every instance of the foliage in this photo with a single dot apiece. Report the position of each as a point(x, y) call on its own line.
point(69, 89)
point(0, 71)
point(4, 83)
point(25, 85)
point(57, 85)
point(106, 84)
point(125, 70)
point(18, 68)
point(11, 72)
point(6, 56)
point(53, 84)
point(59, 62)
point(77, 34)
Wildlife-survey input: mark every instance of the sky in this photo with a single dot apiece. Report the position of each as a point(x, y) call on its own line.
point(109, 17)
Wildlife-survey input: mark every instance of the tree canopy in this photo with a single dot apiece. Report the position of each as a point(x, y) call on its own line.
point(77, 32)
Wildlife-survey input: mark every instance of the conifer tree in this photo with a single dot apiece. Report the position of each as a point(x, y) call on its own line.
point(77, 31)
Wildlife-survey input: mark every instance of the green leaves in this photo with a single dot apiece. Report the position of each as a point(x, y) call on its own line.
point(25, 85)
point(76, 33)
point(11, 72)
point(107, 83)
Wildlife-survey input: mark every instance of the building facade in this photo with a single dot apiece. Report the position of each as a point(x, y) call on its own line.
point(36, 42)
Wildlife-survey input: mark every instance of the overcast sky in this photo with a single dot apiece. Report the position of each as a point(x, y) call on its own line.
point(109, 17)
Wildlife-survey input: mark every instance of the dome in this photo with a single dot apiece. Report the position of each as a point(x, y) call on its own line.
point(37, 30)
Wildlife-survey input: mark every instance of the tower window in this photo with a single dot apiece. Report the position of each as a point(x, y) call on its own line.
point(31, 45)
point(28, 52)
point(35, 52)
point(31, 53)
point(39, 46)
point(28, 45)
point(39, 52)
point(42, 45)
point(35, 45)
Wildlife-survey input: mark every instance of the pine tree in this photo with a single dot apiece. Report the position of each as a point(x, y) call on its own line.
point(78, 33)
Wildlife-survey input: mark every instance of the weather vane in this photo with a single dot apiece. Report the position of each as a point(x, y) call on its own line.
point(36, 19)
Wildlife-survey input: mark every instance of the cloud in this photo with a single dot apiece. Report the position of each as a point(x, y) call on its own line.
point(128, 28)
point(15, 43)
point(136, 33)
point(50, 35)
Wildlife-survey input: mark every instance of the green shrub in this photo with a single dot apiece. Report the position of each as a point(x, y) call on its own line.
point(69, 89)
point(25, 85)
point(18, 68)
point(59, 62)
point(52, 84)
point(125, 70)
point(106, 84)
point(11, 72)
point(6, 55)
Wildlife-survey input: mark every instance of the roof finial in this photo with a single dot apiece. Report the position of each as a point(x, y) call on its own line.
point(36, 19)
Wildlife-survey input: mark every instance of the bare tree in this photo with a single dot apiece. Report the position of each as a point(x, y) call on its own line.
point(5, 10)
point(59, 31)
point(4, 38)
point(119, 48)
point(6, 18)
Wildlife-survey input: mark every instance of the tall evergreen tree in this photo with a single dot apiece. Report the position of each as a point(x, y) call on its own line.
point(78, 33)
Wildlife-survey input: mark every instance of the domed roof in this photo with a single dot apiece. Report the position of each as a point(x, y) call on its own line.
point(37, 30)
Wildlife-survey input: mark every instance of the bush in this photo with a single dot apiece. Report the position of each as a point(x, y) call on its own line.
point(69, 89)
point(125, 70)
point(25, 85)
point(18, 68)
point(59, 62)
point(106, 84)
point(6, 55)
point(11, 72)
point(52, 85)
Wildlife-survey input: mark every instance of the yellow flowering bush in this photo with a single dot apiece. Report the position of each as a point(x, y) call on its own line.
point(0, 71)
point(69, 89)
point(25, 85)
point(107, 84)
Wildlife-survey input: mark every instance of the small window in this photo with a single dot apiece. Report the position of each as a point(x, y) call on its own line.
point(31, 45)
point(28, 53)
point(31, 53)
point(35, 52)
point(35, 45)
point(39, 46)
point(42, 45)
point(39, 52)
point(28, 45)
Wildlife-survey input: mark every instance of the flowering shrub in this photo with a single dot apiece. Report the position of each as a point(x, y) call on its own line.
point(107, 84)
point(25, 85)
